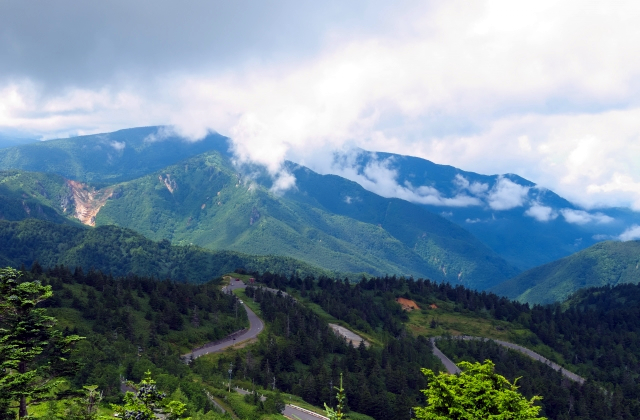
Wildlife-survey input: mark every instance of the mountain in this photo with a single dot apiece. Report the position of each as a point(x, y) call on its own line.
point(524, 223)
point(605, 263)
point(109, 157)
point(205, 201)
point(34, 195)
point(10, 140)
point(120, 252)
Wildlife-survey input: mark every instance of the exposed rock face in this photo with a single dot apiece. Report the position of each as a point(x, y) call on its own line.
point(88, 201)
point(168, 182)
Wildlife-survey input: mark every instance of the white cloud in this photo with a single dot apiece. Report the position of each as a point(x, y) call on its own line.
point(378, 176)
point(475, 188)
point(630, 234)
point(506, 195)
point(282, 182)
point(581, 217)
point(541, 213)
point(118, 145)
point(544, 89)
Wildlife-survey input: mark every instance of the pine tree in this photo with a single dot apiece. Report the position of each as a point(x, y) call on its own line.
point(33, 355)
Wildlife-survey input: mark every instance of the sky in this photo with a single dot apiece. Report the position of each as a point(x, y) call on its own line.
point(545, 89)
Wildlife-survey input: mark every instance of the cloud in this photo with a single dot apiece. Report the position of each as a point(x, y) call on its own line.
point(551, 86)
point(630, 234)
point(378, 176)
point(475, 188)
point(581, 217)
point(541, 213)
point(283, 181)
point(506, 195)
point(118, 145)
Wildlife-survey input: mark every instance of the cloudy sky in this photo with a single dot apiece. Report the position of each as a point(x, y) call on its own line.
point(545, 89)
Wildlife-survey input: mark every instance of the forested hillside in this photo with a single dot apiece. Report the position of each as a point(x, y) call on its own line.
point(594, 334)
point(122, 251)
point(606, 263)
point(326, 221)
point(133, 324)
point(109, 157)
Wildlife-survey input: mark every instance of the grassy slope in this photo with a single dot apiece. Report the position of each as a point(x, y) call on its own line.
point(601, 264)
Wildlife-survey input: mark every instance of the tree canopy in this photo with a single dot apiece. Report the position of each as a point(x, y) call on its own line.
point(32, 353)
point(476, 393)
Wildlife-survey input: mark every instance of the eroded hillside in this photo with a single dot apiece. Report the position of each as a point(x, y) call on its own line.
point(87, 201)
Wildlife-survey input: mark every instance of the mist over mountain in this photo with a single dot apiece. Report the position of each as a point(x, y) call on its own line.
point(109, 157)
point(526, 224)
point(384, 214)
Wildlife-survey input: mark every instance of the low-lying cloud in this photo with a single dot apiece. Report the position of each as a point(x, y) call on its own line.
point(379, 177)
point(506, 195)
point(541, 213)
point(631, 234)
point(581, 217)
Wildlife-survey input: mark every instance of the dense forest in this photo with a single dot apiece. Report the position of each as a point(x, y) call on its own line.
point(122, 251)
point(595, 333)
point(133, 324)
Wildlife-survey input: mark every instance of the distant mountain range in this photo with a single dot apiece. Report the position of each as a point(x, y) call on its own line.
point(605, 263)
point(524, 223)
point(436, 221)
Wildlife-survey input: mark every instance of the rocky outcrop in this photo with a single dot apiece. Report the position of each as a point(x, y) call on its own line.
point(87, 201)
point(168, 182)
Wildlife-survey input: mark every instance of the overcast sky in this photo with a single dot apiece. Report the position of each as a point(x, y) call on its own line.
point(547, 90)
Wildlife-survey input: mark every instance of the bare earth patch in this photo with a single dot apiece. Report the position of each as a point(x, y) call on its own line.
point(407, 304)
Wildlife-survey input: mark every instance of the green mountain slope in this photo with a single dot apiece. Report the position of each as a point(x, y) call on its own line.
point(34, 195)
point(605, 263)
point(326, 221)
point(120, 251)
point(108, 157)
point(204, 201)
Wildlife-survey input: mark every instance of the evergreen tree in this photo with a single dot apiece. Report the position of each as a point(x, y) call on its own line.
point(33, 355)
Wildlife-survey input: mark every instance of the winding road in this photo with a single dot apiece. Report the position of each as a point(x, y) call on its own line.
point(453, 369)
point(291, 411)
point(256, 326)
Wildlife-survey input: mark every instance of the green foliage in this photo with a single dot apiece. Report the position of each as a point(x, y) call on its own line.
point(84, 407)
point(326, 222)
point(33, 353)
point(605, 263)
point(338, 413)
point(108, 157)
point(122, 251)
point(142, 404)
point(476, 393)
point(563, 400)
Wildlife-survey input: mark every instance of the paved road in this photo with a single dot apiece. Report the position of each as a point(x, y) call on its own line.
point(255, 327)
point(452, 368)
point(351, 337)
point(448, 364)
point(291, 411)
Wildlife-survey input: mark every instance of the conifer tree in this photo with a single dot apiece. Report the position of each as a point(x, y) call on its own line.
point(33, 355)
